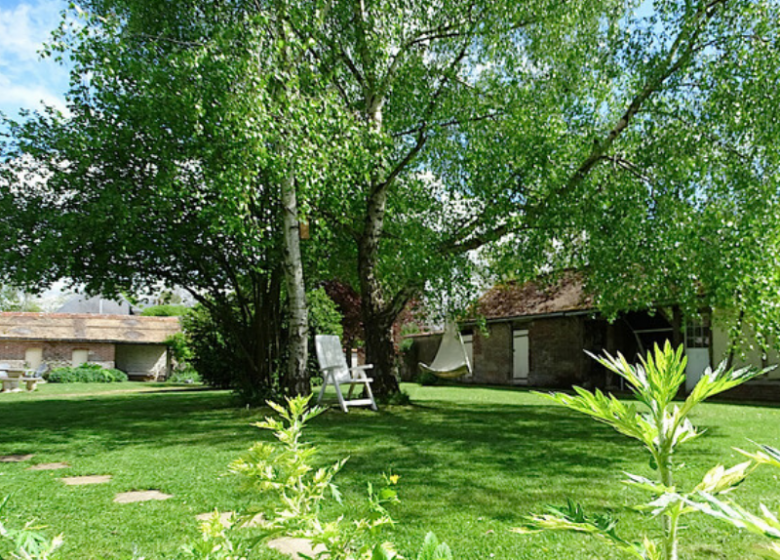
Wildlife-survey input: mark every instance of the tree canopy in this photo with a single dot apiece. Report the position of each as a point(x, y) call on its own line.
point(637, 141)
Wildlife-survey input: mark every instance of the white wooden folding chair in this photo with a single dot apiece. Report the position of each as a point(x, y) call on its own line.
point(336, 372)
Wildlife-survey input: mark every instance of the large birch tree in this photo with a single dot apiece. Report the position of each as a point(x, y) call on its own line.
point(194, 130)
point(636, 141)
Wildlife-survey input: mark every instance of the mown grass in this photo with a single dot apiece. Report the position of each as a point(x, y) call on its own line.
point(472, 461)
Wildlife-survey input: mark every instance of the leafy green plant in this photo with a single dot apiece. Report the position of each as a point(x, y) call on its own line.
point(710, 502)
point(662, 427)
point(284, 471)
point(427, 379)
point(86, 373)
point(433, 550)
point(182, 354)
point(401, 398)
point(26, 543)
point(187, 375)
point(219, 354)
point(215, 542)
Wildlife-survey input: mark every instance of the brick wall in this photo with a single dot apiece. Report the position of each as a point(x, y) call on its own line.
point(493, 357)
point(423, 349)
point(556, 352)
point(56, 354)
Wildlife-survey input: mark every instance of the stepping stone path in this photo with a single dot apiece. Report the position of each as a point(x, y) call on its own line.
point(15, 458)
point(294, 548)
point(48, 467)
point(140, 496)
point(82, 480)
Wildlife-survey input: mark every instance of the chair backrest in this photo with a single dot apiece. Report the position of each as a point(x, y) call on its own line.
point(330, 354)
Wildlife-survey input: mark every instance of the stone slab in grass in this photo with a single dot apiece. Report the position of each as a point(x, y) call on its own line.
point(140, 496)
point(84, 480)
point(48, 466)
point(295, 548)
point(16, 458)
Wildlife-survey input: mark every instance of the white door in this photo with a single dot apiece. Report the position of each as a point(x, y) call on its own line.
point(697, 350)
point(520, 349)
point(33, 357)
point(468, 344)
point(79, 357)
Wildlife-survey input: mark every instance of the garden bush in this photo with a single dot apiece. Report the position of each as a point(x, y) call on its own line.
point(210, 349)
point(165, 311)
point(86, 373)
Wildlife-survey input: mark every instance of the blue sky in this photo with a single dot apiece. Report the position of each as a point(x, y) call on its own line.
point(25, 79)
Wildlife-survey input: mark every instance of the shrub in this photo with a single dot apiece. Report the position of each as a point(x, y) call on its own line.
point(426, 378)
point(324, 318)
point(181, 353)
point(86, 373)
point(212, 350)
point(185, 375)
point(165, 311)
point(400, 398)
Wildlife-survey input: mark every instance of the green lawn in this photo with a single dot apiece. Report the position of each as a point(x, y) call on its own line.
point(472, 462)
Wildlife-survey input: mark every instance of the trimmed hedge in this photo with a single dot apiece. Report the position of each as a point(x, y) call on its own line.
point(165, 311)
point(86, 373)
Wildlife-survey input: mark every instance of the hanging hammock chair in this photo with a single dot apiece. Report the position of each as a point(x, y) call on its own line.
point(451, 360)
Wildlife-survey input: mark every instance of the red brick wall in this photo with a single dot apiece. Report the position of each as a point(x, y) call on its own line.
point(56, 353)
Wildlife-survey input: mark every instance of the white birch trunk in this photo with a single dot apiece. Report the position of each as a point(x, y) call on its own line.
point(297, 379)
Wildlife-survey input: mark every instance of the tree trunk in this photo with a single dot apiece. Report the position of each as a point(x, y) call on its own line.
point(298, 347)
point(377, 317)
point(677, 327)
point(380, 351)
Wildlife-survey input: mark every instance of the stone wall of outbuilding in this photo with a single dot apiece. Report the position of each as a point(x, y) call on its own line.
point(493, 354)
point(55, 354)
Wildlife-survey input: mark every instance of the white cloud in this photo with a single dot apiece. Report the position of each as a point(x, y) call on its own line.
point(25, 79)
point(24, 28)
point(28, 96)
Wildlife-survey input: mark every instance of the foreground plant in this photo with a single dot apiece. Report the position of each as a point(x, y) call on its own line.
point(766, 523)
point(26, 543)
point(662, 429)
point(283, 474)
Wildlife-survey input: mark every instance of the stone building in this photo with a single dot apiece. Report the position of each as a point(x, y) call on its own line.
point(537, 335)
point(130, 343)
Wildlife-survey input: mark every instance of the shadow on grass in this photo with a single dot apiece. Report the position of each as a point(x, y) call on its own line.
point(156, 419)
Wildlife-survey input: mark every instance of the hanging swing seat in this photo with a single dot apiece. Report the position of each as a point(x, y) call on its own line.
point(451, 360)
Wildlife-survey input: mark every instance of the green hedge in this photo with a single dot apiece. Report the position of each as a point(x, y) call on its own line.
point(165, 311)
point(86, 373)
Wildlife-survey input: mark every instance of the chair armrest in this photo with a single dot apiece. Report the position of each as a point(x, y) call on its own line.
point(359, 372)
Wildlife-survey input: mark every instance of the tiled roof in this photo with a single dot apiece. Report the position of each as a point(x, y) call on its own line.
point(535, 298)
point(87, 327)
